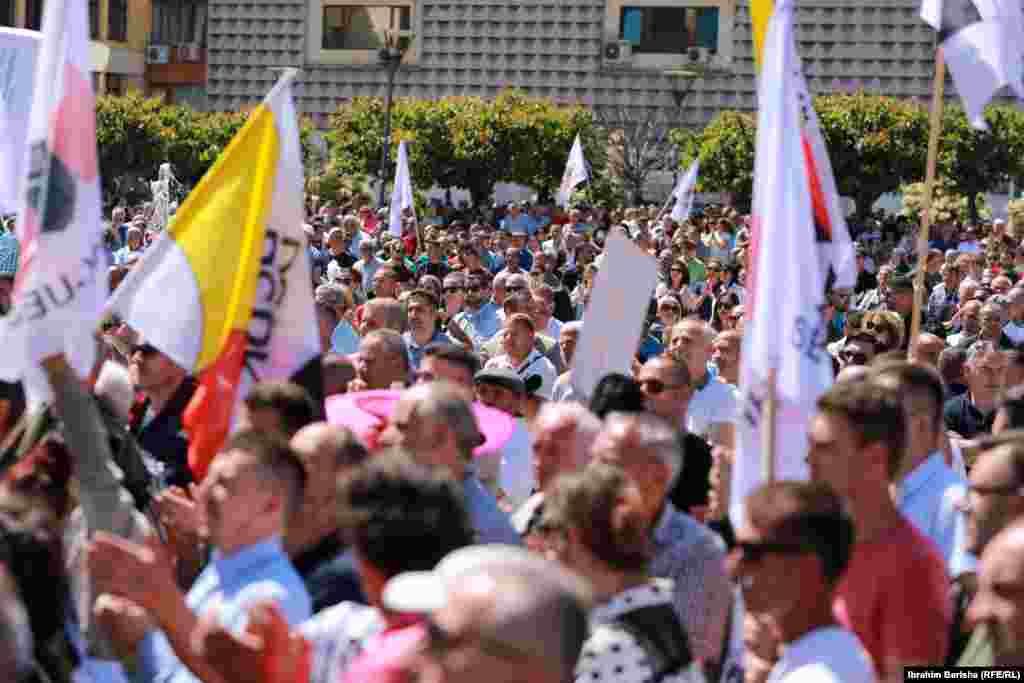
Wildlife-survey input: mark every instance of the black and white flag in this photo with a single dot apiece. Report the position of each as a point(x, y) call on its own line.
point(983, 44)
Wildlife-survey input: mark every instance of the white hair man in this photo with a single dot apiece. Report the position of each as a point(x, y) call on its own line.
point(567, 340)
point(563, 435)
point(713, 407)
point(648, 449)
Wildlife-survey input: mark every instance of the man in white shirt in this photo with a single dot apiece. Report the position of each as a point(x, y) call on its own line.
point(1014, 328)
point(544, 310)
point(792, 548)
point(522, 356)
point(712, 410)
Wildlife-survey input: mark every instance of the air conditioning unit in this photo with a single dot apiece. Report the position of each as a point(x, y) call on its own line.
point(190, 53)
point(158, 54)
point(618, 52)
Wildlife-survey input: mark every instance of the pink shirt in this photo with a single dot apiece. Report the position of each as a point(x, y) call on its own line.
point(895, 598)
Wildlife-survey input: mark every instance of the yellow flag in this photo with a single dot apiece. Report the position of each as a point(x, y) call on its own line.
point(760, 13)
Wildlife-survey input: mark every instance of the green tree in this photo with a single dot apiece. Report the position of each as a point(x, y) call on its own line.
point(947, 204)
point(129, 138)
point(974, 161)
point(726, 151)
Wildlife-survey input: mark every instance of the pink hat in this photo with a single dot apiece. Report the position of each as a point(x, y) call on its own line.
point(365, 411)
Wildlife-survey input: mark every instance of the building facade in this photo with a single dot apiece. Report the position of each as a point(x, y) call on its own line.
point(691, 58)
point(154, 46)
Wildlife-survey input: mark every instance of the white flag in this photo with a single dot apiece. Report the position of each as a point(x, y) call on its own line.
point(684, 193)
point(834, 244)
point(18, 49)
point(983, 44)
point(401, 196)
point(62, 272)
point(575, 173)
point(785, 332)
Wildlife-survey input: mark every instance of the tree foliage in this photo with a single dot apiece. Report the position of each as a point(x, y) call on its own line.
point(726, 151)
point(136, 134)
point(466, 142)
point(947, 204)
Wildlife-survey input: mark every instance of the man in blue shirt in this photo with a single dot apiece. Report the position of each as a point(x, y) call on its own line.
point(421, 308)
point(517, 221)
point(479, 318)
point(929, 492)
point(251, 489)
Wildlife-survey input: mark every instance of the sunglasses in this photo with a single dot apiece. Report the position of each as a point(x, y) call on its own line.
point(513, 290)
point(656, 386)
point(144, 349)
point(453, 290)
point(755, 551)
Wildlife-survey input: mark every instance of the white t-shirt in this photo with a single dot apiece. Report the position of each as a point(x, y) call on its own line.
point(715, 404)
point(825, 655)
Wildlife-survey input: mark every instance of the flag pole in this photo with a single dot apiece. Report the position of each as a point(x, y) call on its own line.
point(935, 130)
point(770, 424)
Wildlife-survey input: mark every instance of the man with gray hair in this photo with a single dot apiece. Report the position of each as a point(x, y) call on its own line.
point(497, 614)
point(563, 435)
point(382, 362)
point(972, 413)
point(434, 422)
point(647, 449)
point(567, 339)
point(368, 264)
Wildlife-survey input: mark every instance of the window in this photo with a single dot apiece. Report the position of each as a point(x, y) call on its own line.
point(352, 31)
point(179, 22)
point(94, 19)
point(362, 27)
point(6, 12)
point(670, 34)
point(671, 30)
point(34, 14)
point(117, 20)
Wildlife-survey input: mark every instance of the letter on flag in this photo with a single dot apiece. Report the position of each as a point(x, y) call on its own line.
point(61, 282)
point(983, 44)
point(684, 193)
point(401, 195)
point(575, 172)
point(786, 332)
point(235, 259)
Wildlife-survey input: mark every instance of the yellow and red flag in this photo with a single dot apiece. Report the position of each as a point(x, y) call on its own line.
point(226, 291)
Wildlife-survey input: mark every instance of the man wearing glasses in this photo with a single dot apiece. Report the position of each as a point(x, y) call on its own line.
point(994, 499)
point(792, 549)
point(479, 318)
point(164, 390)
point(895, 593)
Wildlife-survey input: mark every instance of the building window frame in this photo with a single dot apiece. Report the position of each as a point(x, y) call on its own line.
point(614, 13)
point(94, 19)
point(117, 20)
point(8, 13)
point(316, 54)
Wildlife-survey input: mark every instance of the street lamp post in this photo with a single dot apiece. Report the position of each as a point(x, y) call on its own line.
point(391, 57)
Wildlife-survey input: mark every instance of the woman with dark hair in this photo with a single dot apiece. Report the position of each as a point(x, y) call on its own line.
point(616, 393)
point(593, 523)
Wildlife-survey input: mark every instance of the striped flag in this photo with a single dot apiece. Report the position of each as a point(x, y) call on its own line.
point(61, 282)
point(401, 196)
point(235, 258)
point(786, 331)
point(983, 45)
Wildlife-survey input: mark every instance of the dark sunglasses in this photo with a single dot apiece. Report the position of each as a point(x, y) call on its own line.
point(755, 552)
point(656, 386)
point(144, 349)
point(452, 290)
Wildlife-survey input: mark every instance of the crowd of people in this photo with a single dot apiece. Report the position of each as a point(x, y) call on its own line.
point(443, 503)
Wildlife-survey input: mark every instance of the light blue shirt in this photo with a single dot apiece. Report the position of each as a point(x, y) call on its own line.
point(523, 223)
point(416, 352)
point(344, 340)
point(928, 497)
point(259, 573)
point(481, 325)
point(122, 255)
point(491, 524)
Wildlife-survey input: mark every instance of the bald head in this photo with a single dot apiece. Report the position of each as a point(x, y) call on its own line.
point(563, 435)
point(926, 349)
